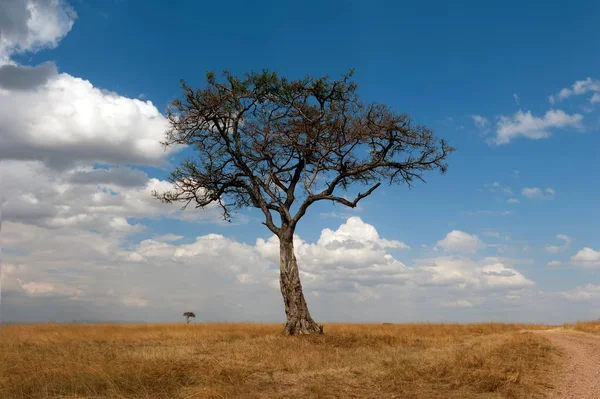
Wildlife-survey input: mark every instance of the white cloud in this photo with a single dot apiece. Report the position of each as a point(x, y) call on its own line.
point(587, 257)
point(102, 271)
point(32, 25)
point(55, 127)
point(513, 201)
point(554, 263)
point(587, 293)
point(41, 196)
point(353, 252)
point(595, 98)
point(524, 124)
point(538, 193)
point(553, 249)
point(42, 289)
point(480, 121)
point(154, 280)
point(34, 287)
point(516, 98)
point(355, 230)
point(578, 88)
point(62, 120)
point(69, 121)
point(118, 176)
point(464, 273)
point(459, 241)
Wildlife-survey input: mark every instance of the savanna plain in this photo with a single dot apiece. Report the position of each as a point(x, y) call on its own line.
point(258, 361)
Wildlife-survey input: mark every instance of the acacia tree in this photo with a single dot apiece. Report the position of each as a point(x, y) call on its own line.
point(188, 316)
point(282, 145)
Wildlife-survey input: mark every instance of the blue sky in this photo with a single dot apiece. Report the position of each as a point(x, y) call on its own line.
point(514, 87)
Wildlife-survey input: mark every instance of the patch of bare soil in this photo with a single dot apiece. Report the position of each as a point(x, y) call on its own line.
point(580, 377)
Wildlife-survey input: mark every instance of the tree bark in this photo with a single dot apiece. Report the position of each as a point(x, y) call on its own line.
point(296, 310)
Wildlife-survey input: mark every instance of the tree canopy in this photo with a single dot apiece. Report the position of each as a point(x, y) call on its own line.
point(273, 143)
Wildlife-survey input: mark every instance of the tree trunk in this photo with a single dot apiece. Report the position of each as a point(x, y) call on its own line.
point(298, 316)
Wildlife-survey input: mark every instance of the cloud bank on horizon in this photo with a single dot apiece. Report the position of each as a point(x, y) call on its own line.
point(83, 239)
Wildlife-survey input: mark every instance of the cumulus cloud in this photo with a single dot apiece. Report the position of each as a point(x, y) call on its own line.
point(348, 267)
point(69, 121)
point(35, 288)
point(578, 88)
point(114, 280)
point(13, 77)
point(553, 249)
point(68, 225)
point(587, 257)
point(353, 253)
point(525, 124)
point(39, 289)
point(464, 273)
point(538, 193)
point(118, 176)
point(513, 201)
point(55, 127)
point(86, 198)
point(62, 120)
point(31, 25)
point(71, 265)
point(586, 293)
point(459, 241)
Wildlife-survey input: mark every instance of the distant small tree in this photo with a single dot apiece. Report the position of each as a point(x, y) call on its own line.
point(188, 316)
point(283, 145)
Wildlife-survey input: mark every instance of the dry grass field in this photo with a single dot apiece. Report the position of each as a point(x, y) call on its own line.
point(256, 361)
point(585, 326)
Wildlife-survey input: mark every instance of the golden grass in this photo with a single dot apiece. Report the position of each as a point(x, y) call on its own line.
point(256, 361)
point(585, 326)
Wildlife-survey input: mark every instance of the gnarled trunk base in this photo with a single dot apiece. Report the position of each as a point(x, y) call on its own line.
point(298, 317)
point(302, 326)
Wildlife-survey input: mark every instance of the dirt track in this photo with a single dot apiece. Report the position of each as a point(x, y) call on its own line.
point(580, 378)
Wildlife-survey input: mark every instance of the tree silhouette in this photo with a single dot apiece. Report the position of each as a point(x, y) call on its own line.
point(188, 316)
point(282, 145)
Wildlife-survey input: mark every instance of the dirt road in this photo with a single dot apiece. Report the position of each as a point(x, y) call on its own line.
point(580, 378)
